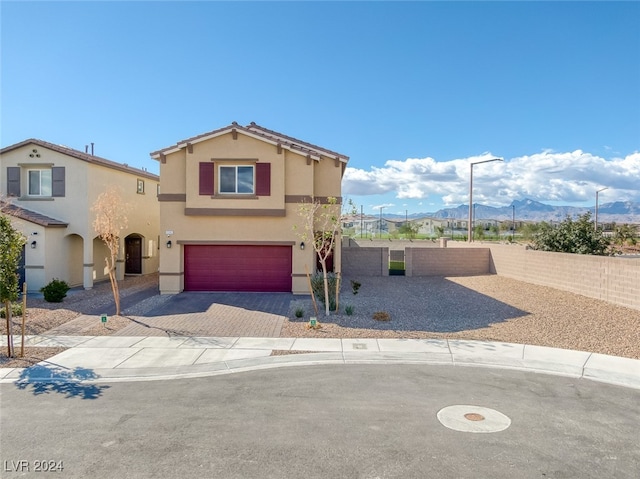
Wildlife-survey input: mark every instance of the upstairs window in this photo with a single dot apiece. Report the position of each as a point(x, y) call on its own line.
point(236, 180)
point(39, 183)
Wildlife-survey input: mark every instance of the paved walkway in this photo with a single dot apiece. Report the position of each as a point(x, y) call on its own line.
point(135, 358)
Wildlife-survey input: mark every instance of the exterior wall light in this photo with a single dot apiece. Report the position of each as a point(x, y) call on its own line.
point(301, 244)
point(33, 244)
point(169, 244)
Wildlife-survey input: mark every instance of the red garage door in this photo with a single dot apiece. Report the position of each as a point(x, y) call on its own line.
point(237, 268)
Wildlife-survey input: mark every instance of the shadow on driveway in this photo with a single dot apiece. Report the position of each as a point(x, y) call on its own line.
point(191, 302)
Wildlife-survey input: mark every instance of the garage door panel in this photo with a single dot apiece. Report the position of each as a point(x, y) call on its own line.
point(237, 268)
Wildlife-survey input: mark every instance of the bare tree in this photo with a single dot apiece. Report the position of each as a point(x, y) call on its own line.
point(320, 228)
point(111, 218)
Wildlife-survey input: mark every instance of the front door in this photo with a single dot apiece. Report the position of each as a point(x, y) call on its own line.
point(133, 256)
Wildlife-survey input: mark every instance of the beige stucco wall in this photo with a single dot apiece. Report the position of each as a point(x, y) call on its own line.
point(68, 253)
point(291, 176)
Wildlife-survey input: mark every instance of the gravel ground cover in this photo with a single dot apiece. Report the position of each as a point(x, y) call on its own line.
point(489, 308)
point(43, 317)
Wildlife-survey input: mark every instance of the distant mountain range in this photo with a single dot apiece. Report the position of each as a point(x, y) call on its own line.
point(530, 210)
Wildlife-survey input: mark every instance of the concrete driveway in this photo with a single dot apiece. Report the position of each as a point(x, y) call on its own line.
point(213, 314)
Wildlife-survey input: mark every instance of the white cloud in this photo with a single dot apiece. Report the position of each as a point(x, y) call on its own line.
point(384, 205)
point(546, 176)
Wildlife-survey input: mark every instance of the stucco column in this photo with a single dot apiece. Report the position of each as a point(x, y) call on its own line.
point(87, 263)
point(120, 261)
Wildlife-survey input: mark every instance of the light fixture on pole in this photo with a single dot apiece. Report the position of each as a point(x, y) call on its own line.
point(596, 218)
point(469, 230)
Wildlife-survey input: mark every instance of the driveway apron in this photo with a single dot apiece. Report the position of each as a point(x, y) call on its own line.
point(214, 314)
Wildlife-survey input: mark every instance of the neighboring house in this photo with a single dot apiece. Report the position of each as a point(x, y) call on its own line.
point(49, 190)
point(229, 203)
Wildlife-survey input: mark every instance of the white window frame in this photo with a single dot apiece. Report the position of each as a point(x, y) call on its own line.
point(40, 183)
point(236, 192)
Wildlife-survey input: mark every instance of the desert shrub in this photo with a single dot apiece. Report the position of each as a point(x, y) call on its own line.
point(299, 312)
point(317, 284)
point(355, 286)
point(381, 316)
point(55, 291)
point(348, 310)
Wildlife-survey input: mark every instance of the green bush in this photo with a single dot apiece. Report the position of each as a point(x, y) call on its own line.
point(299, 312)
point(16, 310)
point(55, 291)
point(348, 309)
point(317, 284)
point(573, 236)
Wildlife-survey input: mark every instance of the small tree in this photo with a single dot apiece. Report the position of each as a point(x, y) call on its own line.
point(625, 234)
point(410, 229)
point(572, 236)
point(111, 218)
point(320, 228)
point(11, 242)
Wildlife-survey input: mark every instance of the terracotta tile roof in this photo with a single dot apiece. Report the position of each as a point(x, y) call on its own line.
point(293, 141)
point(256, 130)
point(31, 216)
point(83, 156)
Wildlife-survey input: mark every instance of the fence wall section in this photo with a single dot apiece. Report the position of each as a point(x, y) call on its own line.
point(608, 278)
point(365, 261)
point(447, 262)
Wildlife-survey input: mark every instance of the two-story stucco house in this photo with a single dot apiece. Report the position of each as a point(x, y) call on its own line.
point(229, 201)
point(49, 190)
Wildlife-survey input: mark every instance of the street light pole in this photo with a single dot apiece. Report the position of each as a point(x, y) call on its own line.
point(596, 218)
point(469, 230)
point(513, 223)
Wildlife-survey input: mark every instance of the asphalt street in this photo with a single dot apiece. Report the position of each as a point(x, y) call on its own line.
point(356, 421)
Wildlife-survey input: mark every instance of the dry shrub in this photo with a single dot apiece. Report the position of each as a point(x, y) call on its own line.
point(381, 316)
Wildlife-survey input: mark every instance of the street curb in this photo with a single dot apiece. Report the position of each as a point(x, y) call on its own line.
point(612, 370)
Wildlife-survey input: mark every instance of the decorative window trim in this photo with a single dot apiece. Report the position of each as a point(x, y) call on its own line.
point(236, 193)
point(45, 189)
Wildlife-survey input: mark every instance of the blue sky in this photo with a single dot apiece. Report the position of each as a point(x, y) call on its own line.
point(411, 92)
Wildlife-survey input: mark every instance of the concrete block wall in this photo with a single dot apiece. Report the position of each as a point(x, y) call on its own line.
point(365, 261)
point(447, 262)
point(616, 280)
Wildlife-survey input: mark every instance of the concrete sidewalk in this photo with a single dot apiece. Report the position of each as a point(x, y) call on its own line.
point(122, 358)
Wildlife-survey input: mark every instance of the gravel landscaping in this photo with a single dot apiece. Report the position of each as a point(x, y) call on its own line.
point(490, 308)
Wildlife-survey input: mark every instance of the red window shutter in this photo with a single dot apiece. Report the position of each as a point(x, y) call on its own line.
point(206, 178)
point(263, 179)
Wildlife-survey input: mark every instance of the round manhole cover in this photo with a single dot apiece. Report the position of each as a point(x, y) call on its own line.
point(474, 416)
point(467, 418)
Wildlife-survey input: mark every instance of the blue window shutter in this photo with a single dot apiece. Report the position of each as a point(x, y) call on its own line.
point(13, 181)
point(57, 181)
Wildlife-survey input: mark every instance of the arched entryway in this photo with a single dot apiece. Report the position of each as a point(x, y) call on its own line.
point(133, 254)
point(74, 245)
